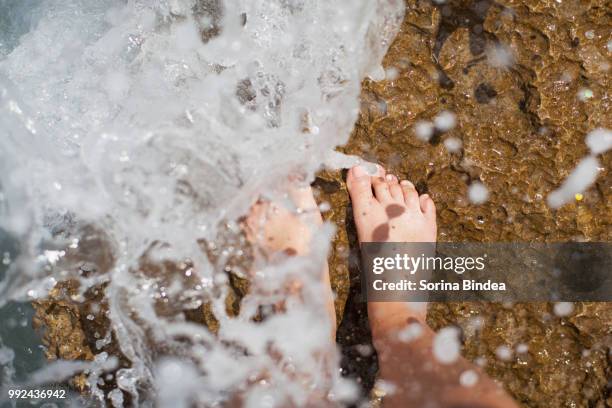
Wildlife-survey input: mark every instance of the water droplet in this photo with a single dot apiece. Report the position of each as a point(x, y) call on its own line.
point(446, 346)
point(478, 193)
point(453, 144)
point(6, 258)
point(563, 309)
point(445, 121)
point(468, 378)
point(585, 94)
point(522, 348)
point(424, 130)
point(503, 353)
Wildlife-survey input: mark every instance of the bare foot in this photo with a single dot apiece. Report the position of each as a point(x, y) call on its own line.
point(279, 231)
point(387, 210)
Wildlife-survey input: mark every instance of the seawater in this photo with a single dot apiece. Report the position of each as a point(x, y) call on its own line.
point(140, 129)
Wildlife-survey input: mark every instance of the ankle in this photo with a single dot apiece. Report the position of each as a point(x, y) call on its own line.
point(388, 317)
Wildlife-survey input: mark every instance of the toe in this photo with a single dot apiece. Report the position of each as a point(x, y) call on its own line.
point(394, 188)
point(255, 219)
point(359, 184)
point(428, 207)
point(381, 189)
point(411, 197)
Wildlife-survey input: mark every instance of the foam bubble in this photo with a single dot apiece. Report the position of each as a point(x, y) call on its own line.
point(446, 346)
point(563, 309)
point(410, 333)
point(445, 121)
point(345, 391)
point(6, 355)
point(522, 348)
point(391, 74)
point(503, 353)
point(468, 378)
point(383, 388)
point(584, 94)
point(478, 193)
point(599, 140)
point(424, 130)
point(453, 144)
point(162, 122)
point(500, 56)
point(581, 178)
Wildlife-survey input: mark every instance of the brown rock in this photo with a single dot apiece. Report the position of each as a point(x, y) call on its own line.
point(522, 126)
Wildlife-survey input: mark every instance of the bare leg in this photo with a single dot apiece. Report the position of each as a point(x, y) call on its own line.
point(418, 377)
point(278, 232)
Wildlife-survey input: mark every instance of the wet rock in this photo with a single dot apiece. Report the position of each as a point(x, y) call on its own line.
point(511, 72)
point(484, 93)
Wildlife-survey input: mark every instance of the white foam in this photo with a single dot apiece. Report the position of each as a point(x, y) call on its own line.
point(446, 346)
point(384, 388)
point(503, 353)
point(599, 140)
point(345, 391)
point(117, 114)
point(563, 309)
point(391, 74)
point(522, 348)
point(584, 94)
point(424, 130)
point(445, 121)
point(410, 333)
point(468, 378)
point(453, 144)
point(500, 56)
point(581, 178)
point(478, 193)
point(6, 355)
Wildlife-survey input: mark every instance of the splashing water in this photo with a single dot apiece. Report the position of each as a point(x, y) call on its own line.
point(135, 133)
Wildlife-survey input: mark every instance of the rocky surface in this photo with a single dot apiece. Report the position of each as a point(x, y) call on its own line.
point(526, 80)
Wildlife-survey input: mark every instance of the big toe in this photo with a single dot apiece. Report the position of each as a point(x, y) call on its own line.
point(359, 184)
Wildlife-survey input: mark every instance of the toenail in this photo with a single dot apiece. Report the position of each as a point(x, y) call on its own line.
point(360, 171)
point(406, 183)
point(389, 177)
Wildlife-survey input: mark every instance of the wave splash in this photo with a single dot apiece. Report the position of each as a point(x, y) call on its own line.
point(135, 134)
